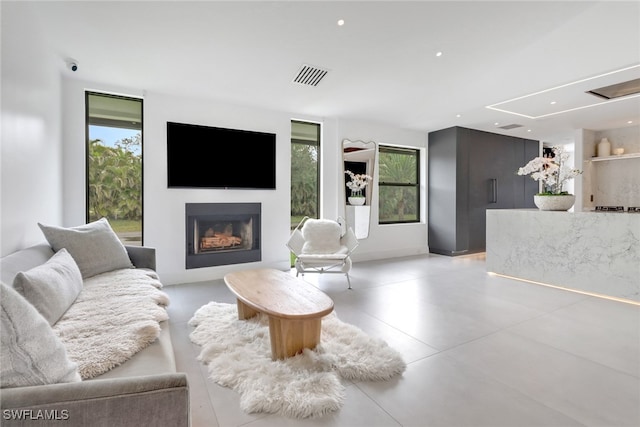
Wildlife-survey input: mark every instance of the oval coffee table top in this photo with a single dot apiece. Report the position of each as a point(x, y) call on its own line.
point(277, 293)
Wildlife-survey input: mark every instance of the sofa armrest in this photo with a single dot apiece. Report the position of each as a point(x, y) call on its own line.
point(132, 401)
point(142, 256)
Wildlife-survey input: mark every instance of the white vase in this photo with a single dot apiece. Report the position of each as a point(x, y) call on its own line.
point(556, 202)
point(356, 201)
point(604, 148)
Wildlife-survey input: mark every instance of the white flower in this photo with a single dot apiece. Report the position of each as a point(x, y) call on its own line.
point(358, 182)
point(552, 171)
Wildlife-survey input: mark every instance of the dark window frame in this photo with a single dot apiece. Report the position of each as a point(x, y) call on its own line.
point(88, 122)
point(400, 150)
point(319, 160)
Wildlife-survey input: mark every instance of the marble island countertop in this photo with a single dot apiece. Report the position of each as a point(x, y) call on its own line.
point(595, 252)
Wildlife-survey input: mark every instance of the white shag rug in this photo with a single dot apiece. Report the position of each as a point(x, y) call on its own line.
point(116, 315)
point(238, 355)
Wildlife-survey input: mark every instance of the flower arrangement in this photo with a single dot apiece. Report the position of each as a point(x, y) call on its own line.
point(552, 171)
point(358, 183)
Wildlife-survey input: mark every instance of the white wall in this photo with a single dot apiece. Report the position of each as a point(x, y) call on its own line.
point(164, 222)
point(164, 209)
point(43, 160)
point(31, 162)
point(386, 240)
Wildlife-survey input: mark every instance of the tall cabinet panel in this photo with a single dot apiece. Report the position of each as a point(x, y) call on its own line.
point(471, 171)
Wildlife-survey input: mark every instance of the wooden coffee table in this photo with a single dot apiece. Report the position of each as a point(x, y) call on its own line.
point(294, 307)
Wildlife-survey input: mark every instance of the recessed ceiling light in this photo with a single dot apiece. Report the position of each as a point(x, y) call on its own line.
point(630, 121)
point(340, 22)
point(496, 124)
point(438, 53)
point(552, 102)
point(528, 130)
point(458, 115)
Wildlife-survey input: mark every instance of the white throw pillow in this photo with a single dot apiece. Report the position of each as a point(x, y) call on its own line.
point(322, 236)
point(95, 246)
point(31, 353)
point(51, 287)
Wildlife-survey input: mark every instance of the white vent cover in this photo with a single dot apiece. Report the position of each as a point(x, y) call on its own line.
point(310, 75)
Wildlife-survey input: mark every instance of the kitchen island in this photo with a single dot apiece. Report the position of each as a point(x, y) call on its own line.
point(592, 252)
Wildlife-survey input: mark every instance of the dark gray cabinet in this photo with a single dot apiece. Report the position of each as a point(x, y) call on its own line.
point(471, 171)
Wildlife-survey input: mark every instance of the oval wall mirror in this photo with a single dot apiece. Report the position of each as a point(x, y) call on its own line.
point(358, 160)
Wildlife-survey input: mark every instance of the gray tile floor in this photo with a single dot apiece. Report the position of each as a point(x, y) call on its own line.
point(481, 350)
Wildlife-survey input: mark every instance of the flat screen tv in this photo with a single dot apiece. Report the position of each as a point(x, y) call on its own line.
point(211, 157)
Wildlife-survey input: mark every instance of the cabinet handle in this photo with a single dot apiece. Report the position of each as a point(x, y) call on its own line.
point(494, 190)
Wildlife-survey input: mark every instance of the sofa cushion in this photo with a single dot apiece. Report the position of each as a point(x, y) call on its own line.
point(51, 287)
point(95, 246)
point(23, 260)
point(31, 353)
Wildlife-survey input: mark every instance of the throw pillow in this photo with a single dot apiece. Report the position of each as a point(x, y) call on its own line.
point(31, 353)
point(51, 287)
point(95, 246)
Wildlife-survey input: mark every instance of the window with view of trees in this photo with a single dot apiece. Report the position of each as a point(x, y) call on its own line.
point(114, 163)
point(399, 185)
point(305, 171)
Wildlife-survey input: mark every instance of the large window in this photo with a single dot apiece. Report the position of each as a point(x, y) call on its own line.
point(305, 171)
point(114, 163)
point(399, 185)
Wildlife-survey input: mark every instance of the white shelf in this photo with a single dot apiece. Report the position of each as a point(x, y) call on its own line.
point(614, 157)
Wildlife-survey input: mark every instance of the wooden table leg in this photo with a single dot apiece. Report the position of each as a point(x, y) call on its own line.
point(289, 337)
point(244, 311)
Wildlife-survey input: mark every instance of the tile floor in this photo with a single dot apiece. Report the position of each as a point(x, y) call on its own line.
point(481, 350)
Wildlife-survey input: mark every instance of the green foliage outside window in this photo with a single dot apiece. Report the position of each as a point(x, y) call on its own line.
point(304, 181)
point(115, 180)
point(399, 196)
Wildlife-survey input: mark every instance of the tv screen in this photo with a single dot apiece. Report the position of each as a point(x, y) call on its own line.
point(211, 157)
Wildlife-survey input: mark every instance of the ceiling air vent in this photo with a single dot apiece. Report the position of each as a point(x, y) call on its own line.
point(310, 75)
point(512, 126)
point(618, 90)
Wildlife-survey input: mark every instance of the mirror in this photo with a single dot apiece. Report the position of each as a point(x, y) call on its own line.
point(358, 160)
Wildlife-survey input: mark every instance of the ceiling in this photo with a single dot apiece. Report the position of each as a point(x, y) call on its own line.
point(382, 64)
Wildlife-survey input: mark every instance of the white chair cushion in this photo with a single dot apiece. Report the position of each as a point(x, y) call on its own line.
point(322, 236)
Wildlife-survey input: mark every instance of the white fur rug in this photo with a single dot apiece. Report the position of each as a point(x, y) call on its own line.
point(116, 315)
point(238, 355)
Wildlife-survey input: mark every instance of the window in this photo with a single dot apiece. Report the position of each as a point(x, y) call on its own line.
point(399, 185)
point(305, 171)
point(114, 163)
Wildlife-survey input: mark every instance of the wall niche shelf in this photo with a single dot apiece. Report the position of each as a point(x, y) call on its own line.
point(614, 157)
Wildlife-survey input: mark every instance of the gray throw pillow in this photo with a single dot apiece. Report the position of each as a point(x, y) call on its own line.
point(51, 287)
point(95, 246)
point(31, 354)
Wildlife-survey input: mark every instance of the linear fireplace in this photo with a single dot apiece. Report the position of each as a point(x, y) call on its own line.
point(222, 234)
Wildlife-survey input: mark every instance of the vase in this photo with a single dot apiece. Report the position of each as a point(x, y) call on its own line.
point(555, 202)
point(356, 201)
point(604, 148)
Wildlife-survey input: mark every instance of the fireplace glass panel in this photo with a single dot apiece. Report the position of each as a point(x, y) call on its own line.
point(222, 234)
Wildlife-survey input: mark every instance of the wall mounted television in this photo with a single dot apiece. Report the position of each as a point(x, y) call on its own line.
point(211, 157)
